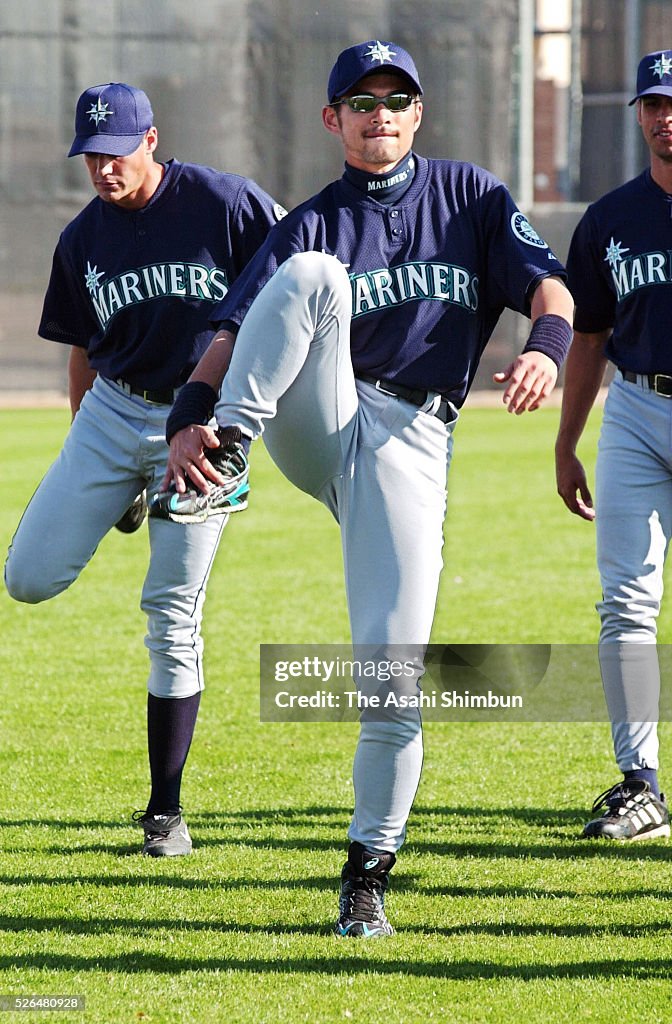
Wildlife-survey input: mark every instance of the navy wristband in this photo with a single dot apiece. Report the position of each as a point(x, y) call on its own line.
point(195, 403)
point(552, 335)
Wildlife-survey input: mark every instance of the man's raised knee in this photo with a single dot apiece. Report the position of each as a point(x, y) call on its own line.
point(317, 271)
point(30, 586)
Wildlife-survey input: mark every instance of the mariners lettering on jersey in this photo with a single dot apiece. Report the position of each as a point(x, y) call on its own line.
point(158, 280)
point(412, 282)
point(633, 272)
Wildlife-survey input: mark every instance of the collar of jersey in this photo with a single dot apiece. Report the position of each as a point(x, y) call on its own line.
point(388, 188)
point(414, 190)
point(172, 170)
point(648, 179)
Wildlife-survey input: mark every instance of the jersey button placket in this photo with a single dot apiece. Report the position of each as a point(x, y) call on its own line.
point(396, 226)
point(140, 230)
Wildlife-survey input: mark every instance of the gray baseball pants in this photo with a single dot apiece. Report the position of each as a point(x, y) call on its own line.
point(379, 464)
point(634, 525)
point(115, 447)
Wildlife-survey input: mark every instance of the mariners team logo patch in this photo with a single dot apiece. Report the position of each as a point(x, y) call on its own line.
point(380, 52)
point(524, 231)
point(99, 112)
point(662, 66)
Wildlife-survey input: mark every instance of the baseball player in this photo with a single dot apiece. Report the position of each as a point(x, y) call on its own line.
point(360, 324)
point(621, 276)
point(135, 277)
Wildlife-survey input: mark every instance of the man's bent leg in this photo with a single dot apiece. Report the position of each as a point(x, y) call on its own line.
point(84, 493)
point(172, 598)
point(291, 371)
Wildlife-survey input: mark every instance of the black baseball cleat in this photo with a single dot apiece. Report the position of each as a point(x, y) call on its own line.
point(361, 905)
point(166, 835)
point(630, 811)
point(134, 516)
point(195, 507)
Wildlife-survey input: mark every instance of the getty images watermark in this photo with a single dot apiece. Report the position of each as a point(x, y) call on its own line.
point(461, 682)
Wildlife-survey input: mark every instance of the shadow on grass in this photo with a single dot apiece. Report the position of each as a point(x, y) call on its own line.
point(574, 850)
point(318, 883)
point(144, 927)
point(540, 816)
point(333, 964)
point(402, 883)
point(543, 817)
point(521, 892)
point(551, 834)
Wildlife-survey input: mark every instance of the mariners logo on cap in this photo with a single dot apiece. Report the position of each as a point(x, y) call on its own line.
point(379, 51)
point(661, 66)
point(654, 75)
point(362, 59)
point(99, 112)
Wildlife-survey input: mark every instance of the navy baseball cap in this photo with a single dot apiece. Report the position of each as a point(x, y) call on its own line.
point(365, 58)
point(112, 119)
point(654, 75)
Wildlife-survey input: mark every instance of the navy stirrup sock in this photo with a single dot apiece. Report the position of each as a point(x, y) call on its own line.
point(170, 727)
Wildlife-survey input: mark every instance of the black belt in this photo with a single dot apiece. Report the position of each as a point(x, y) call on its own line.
point(661, 383)
point(157, 396)
point(416, 396)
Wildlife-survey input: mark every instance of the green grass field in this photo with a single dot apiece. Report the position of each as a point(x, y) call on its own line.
point(502, 914)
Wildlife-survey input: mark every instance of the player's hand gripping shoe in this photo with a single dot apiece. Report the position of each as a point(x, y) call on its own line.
point(361, 905)
point(134, 516)
point(166, 835)
point(631, 811)
point(195, 507)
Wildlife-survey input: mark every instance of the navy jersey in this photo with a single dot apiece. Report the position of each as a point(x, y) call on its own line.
point(430, 274)
point(136, 287)
point(620, 274)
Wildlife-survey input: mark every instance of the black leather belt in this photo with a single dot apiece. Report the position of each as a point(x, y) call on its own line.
point(158, 396)
point(661, 383)
point(416, 396)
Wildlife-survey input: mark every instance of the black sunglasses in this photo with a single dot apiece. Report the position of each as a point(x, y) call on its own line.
point(366, 102)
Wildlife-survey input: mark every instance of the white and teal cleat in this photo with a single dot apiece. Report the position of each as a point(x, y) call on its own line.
point(194, 506)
